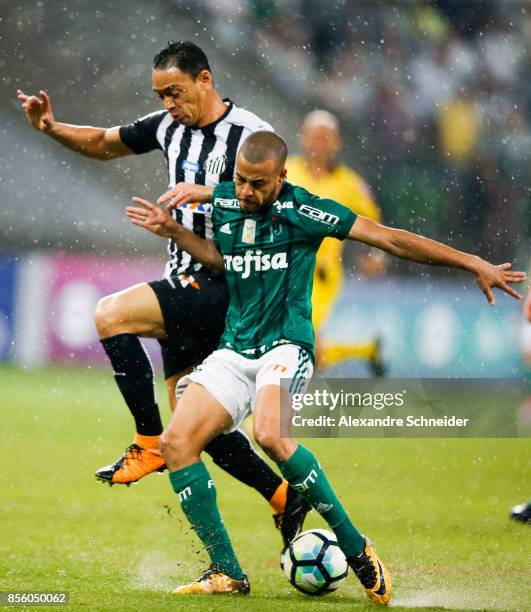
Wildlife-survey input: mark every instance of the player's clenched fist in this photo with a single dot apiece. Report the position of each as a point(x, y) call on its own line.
point(38, 110)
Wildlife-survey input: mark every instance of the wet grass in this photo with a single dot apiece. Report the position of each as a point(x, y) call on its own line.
point(436, 510)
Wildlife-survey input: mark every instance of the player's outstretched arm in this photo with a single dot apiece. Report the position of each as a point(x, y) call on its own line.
point(98, 143)
point(158, 221)
point(185, 192)
point(424, 250)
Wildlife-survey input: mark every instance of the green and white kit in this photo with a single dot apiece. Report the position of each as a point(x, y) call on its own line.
point(269, 259)
point(269, 263)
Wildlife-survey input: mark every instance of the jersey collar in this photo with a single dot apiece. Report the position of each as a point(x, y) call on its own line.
point(211, 126)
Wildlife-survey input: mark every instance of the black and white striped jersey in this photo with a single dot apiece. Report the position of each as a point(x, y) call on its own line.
point(205, 156)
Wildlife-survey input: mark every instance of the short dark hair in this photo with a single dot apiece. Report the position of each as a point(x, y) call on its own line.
point(184, 55)
point(263, 145)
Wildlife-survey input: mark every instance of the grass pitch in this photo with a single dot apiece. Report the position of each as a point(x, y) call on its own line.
point(436, 510)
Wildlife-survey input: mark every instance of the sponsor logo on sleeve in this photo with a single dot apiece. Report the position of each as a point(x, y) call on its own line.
point(282, 205)
point(318, 215)
point(227, 203)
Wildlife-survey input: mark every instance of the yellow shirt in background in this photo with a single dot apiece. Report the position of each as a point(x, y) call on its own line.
point(459, 125)
point(349, 189)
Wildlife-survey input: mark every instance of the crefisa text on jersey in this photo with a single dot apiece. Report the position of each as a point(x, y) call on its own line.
point(255, 261)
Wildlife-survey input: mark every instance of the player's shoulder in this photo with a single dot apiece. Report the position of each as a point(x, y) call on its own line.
point(302, 196)
point(292, 202)
point(154, 117)
point(310, 207)
point(141, 136)
point(247, 119)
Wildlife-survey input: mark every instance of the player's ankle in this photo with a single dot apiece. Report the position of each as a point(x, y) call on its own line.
point(278, 501)
point(151, 443)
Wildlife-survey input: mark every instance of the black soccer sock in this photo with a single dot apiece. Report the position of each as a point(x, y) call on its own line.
point(134, 376)
point(235, 454)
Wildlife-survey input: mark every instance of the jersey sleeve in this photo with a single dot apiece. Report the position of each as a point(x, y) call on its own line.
point(322, 217)
point(217, 213)
point(141, 135)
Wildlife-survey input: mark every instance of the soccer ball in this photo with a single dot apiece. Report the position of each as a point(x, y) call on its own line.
point(314, 563)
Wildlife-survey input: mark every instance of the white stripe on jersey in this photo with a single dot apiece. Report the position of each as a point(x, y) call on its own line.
point(229, 133)
point(173, 151)
point(193, 155)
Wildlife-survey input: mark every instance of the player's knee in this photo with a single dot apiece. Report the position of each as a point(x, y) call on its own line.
point(169, 443)
point(174, 447)
point(270, 443)
point(106, 317)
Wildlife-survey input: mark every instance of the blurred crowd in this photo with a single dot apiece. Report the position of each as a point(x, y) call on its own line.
point(434, 97)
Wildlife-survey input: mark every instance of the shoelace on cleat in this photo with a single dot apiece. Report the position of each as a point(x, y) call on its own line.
point(207, 574)
point(131, 452)
point(364, 569)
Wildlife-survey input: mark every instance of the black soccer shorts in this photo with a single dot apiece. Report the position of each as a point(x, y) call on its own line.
point(194, 309)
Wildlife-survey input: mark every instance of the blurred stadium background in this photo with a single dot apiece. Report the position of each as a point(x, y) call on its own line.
point(433, 99)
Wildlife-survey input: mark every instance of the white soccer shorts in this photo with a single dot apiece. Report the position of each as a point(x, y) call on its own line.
point(234, 380)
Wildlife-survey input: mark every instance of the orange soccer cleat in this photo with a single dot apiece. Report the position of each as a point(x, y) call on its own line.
point(133, 465)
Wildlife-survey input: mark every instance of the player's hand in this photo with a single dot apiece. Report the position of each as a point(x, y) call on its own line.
point(38, 111)
point(183, 193)
point(153, 218)
point(489, 276)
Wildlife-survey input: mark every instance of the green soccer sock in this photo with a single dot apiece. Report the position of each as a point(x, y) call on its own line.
point(197, 495)
point(303, 472)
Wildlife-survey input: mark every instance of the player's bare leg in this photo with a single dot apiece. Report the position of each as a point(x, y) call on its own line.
point(302, 470)
point(121, 318)
point(198, 419)
point(267, 421)
point(134, 310)
point(171, 386)
point(235, 454)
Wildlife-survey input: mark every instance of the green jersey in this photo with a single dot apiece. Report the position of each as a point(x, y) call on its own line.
point(269, 259)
